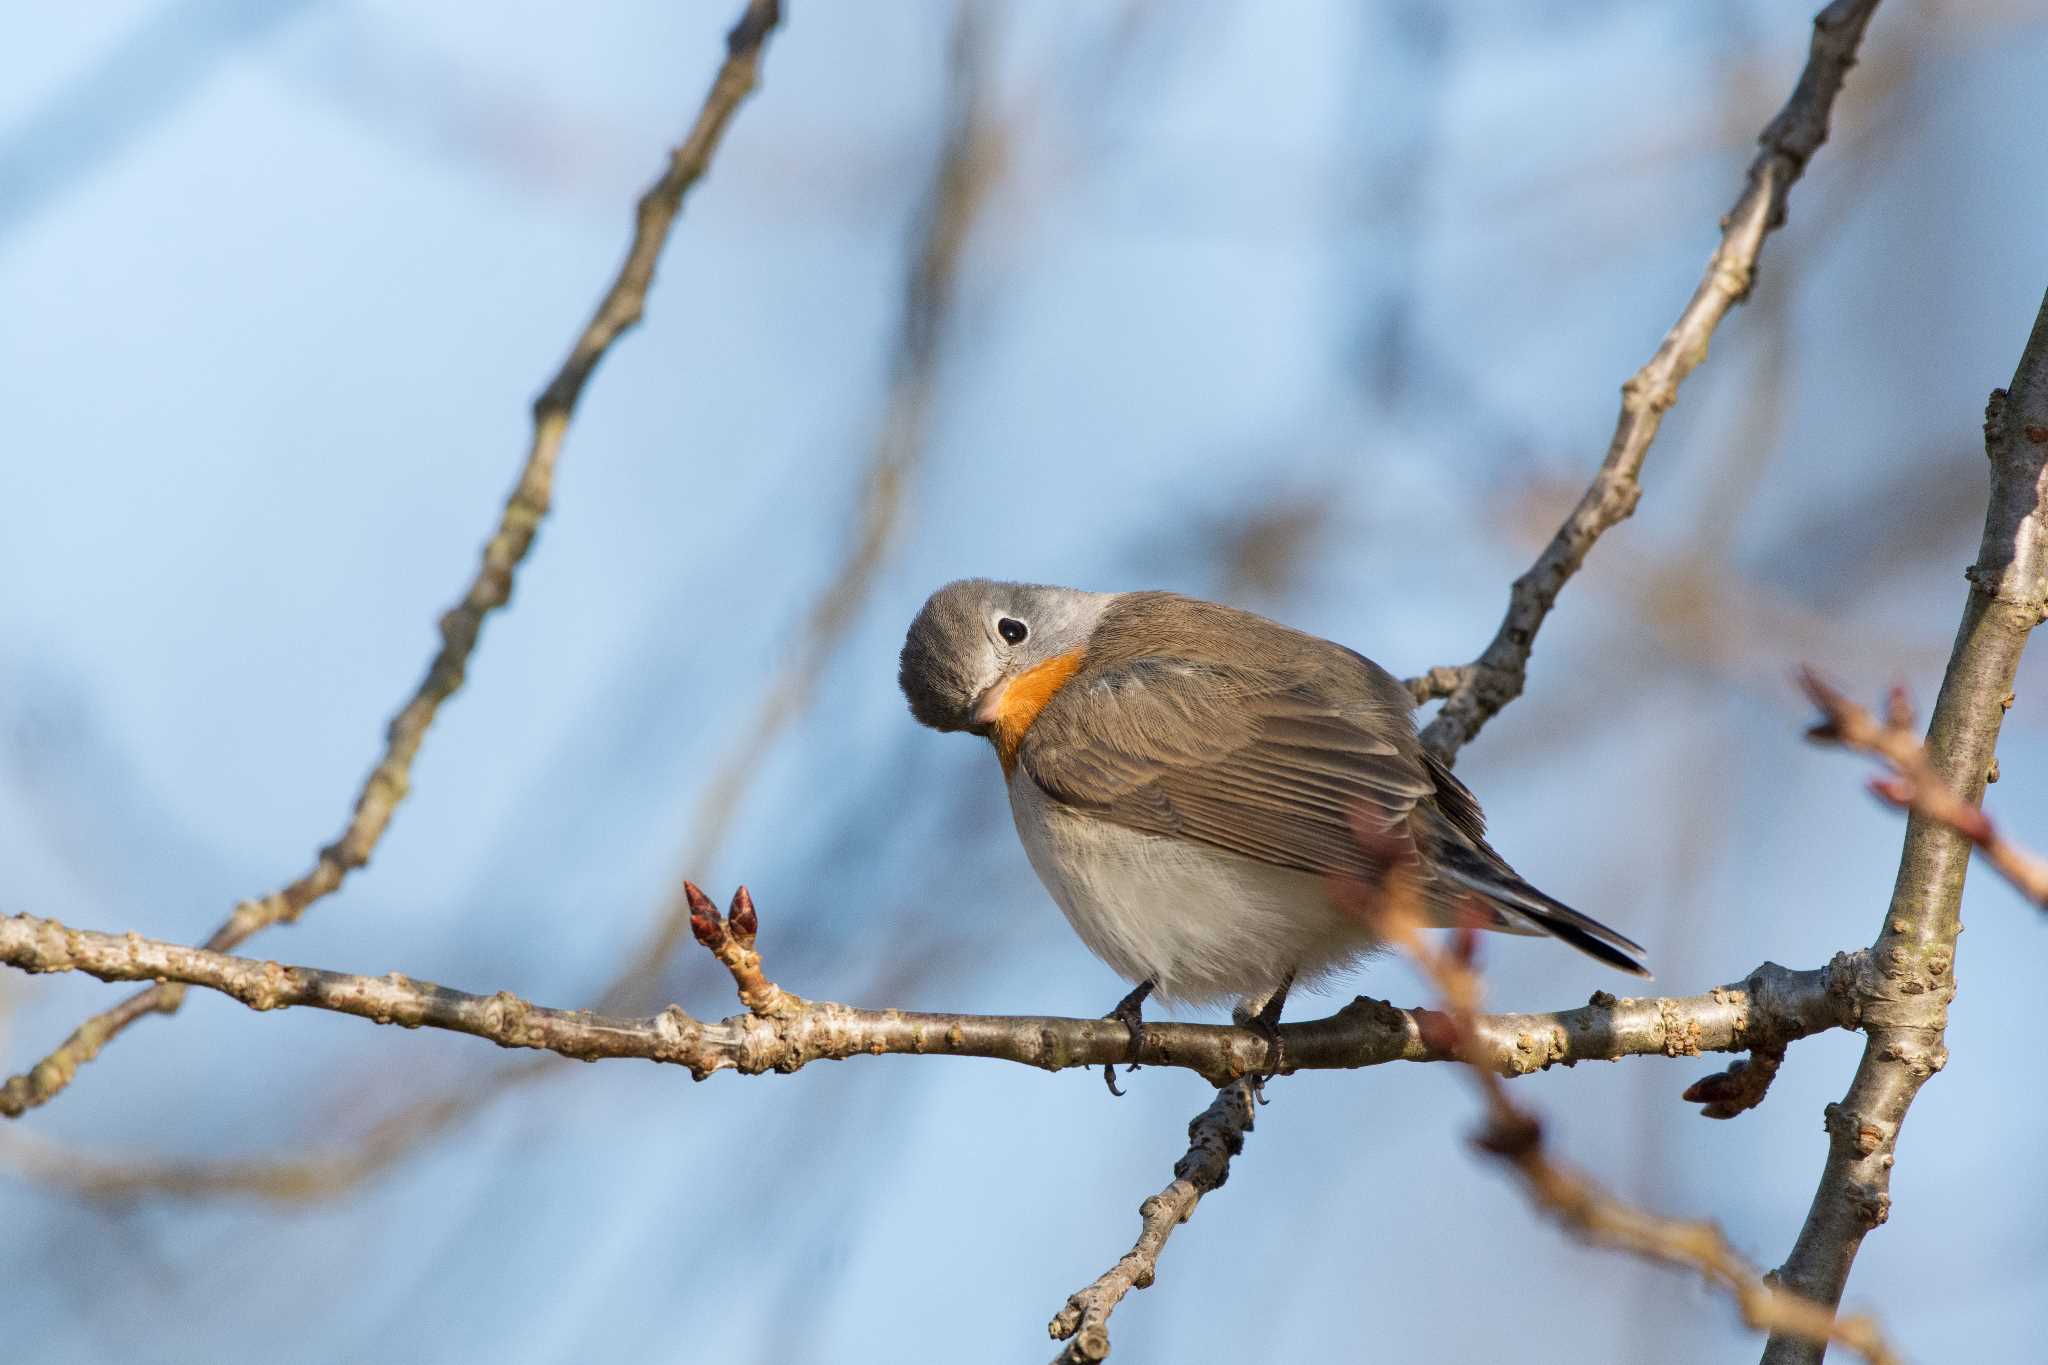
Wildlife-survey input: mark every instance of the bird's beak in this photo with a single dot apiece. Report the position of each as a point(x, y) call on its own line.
point(988, 708)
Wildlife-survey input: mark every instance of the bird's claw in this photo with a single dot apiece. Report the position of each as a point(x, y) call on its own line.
point(1266, 1023)
point(1130, 1012)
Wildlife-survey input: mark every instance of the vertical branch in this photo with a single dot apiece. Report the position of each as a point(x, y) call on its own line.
point(1911, 977)
point(390, 780)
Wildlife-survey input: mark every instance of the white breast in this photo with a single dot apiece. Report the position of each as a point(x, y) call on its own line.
point(1201, 923)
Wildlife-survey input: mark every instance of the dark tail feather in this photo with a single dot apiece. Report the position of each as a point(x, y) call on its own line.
point(1553, 917)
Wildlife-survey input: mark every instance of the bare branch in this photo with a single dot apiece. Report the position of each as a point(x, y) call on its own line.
point(1214, 1136)
point(1905, 1014)
point(301, 1179)
point(390, 780)
point(785, 1032)
point(1789, 142)
point(1585, 1207)
point(1915, 785)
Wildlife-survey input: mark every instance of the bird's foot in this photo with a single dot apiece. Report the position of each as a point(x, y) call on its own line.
point(1130, 1012)
point(1266, 1022)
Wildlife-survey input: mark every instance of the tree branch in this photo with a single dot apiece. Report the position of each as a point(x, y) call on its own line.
point(1906, 1012)
point(784, 1032)
point(1497, 676)
point(1214, 1136)
point(1575, 1199)
point(390, 780)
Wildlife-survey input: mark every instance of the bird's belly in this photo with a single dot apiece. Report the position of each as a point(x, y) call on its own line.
point(1201, 923)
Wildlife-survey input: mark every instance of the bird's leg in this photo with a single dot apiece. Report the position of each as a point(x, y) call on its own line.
point(1266, 1021)
point(1130, 1012)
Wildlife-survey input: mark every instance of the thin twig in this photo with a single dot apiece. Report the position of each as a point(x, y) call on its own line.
point(390, 780)
point(784, 1032)
point(1497, 676)
point(1905, 1011)
point(1515, 1136)
point(1914, 785)
point(1214, 1136)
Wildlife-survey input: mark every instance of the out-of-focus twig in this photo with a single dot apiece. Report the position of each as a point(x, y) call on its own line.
point(1515, 1136)
point(972, 159)
point(785, 1032)
point(390, 780)
point(117, 1177)
point(970, 163)
point(1214, 1136)
point(1789, 142)
point(1905, 1009)
point(1914, 785)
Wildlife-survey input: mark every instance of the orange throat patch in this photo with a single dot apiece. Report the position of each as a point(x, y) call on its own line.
point(1024, 698)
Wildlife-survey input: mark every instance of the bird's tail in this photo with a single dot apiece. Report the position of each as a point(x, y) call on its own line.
point(1522, 903)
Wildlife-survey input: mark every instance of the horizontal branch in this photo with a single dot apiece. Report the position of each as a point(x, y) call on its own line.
point(1771, 1007)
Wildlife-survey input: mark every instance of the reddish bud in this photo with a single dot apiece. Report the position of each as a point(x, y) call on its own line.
point(1895, 790)
point(704, 918)
point(1713, 1089)
point(745, 922)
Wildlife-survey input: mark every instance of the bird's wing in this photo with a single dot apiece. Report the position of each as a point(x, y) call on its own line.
point(1282, 770)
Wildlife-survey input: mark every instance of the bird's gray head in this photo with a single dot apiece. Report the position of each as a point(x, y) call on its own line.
point(975, 635)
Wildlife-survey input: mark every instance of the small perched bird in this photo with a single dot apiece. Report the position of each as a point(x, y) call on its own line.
point(1190, 780)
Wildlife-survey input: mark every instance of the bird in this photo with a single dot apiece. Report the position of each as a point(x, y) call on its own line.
point(1193, 783)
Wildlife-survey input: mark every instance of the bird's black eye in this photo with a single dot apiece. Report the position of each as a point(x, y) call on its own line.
point(1012, 630)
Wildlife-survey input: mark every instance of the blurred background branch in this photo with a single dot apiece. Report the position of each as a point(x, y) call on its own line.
point(969, 163)
point(391, 779)
point(1914, 785)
